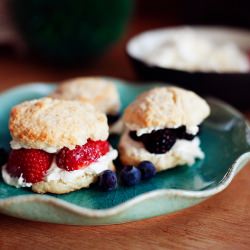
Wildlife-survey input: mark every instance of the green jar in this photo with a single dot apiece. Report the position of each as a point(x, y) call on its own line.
point(70, 32)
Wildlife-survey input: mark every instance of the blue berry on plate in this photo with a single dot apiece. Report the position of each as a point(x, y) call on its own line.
point(130, 175)
point(108, 180)
point(147, 169)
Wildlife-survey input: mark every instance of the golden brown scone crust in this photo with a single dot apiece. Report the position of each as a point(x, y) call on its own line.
point(163, 107)
point(49, 123)
point(98, 91)
point(60, 187)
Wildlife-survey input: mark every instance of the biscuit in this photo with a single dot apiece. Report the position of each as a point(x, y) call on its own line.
point(50, 124)
point(98, 91)
point(132, 153)
point(60, 187)
point(166, 107)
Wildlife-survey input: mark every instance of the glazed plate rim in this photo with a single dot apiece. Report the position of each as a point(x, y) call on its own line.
point(239, 163)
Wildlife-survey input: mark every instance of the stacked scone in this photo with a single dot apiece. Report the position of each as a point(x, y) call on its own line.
point(99, 92)
point(58, 146)
point(162, 127)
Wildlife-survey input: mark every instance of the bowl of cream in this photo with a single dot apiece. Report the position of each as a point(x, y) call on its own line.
point(213, 61)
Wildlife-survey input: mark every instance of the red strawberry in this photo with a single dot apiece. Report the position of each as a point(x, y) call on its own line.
point(81, 156)
point(32, 164)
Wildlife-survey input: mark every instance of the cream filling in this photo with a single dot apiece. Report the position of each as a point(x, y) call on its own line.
point(184, 150)
point(17, 145)
point(55, 173)
point(14, 181)
point(189, 129)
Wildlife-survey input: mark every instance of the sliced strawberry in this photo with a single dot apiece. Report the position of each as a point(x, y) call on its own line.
point(81, 156)
point(32, 164)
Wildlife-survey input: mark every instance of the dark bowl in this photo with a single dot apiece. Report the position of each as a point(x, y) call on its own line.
point(231, 87)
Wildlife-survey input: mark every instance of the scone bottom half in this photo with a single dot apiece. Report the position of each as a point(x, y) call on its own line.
point(36, 162)
point(162, 126)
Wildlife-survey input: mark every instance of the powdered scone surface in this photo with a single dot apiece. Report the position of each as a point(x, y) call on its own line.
point(98, 91)
point(163, 107)
point(48, 123)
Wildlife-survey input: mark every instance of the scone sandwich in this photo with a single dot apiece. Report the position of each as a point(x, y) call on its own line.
point(57, 146)
point(99, 92)
point(162, 127)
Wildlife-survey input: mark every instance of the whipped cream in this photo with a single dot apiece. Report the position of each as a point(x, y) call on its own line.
point(192, 52)
point(182, 152)
point(55, 173)
point(17, 145)
point(189, 129)
point(14, 181)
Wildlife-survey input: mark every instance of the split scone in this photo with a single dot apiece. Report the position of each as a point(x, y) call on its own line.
point(162, 125)
point(99, 92)
point(58, 146)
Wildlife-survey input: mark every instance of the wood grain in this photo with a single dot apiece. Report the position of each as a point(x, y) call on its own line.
point(222, 222)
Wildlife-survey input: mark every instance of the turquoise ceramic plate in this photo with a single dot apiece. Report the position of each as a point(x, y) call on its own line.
point(225, 140)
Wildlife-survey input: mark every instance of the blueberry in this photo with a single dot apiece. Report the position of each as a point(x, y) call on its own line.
point(3, 156)
point(130, 175)
point(107, 180)
point(147, 169)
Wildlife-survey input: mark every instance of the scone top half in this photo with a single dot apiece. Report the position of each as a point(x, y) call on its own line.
point(166, 107)
point(99, 92)
point(162, 126)
point(58, 146)
point(50, 125)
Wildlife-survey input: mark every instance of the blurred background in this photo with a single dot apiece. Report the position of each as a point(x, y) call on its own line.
point(43, 40)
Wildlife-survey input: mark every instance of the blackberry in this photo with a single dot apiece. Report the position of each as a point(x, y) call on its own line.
point(133, 135)
point(182, 134)
point(160, 141)
point(188, 137)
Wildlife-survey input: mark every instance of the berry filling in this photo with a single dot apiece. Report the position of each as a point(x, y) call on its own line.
point(162, 140)
point(81, 156)
point(31, 164)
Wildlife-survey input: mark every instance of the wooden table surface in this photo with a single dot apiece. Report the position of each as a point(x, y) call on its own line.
point(222, 222)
